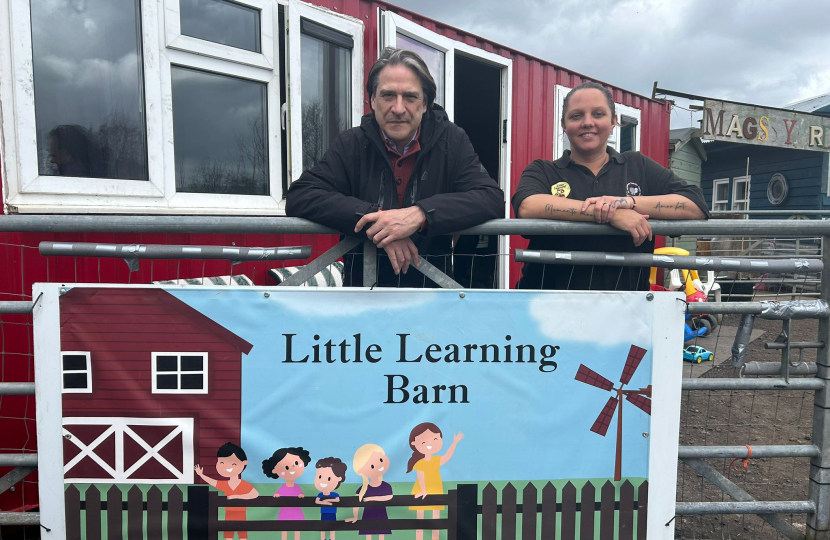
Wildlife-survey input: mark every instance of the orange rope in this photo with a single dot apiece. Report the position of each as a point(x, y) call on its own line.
point(745, 462)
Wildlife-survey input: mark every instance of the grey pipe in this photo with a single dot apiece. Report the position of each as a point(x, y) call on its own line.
point(763, 451)
point(17, 389)
point(767, 309)
point(19, 518)
point(748, 507)
point(689, 262)
point(150, 251)
point(742, 338)
point(16, 307)
point(753, 384)
point(753, 369)
point(795, 345)
point(18, 460)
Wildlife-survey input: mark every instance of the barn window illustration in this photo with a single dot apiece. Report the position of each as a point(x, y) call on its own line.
point(77, 374)
point(180, 373)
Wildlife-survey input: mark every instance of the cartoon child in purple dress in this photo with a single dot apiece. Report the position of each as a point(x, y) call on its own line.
point(288, 464)
point(371, 463)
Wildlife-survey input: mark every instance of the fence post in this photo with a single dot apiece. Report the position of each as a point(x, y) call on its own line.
point(197, 512)
point(467, 515)
point(818, 524)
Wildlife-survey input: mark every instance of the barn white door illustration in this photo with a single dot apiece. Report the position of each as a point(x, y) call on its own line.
point(114, 450)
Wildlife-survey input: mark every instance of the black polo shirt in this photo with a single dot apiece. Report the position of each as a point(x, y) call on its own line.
point(626, 174)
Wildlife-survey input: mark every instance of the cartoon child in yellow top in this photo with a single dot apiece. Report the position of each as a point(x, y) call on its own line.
point(426, 441)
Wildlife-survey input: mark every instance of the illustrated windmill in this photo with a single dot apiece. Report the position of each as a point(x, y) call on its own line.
point(640, 398)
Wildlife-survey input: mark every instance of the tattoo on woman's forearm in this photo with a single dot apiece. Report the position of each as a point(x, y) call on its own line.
point(677, 206)
point(551, 210)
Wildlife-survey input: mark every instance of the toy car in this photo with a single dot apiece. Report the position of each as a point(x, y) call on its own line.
point(696, 353)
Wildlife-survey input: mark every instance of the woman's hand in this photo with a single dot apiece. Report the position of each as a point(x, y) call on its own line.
point(634, 223)
point(606, 206)
point(300, 495)
point(421, 494)
point(350, 520)
point(276, 495)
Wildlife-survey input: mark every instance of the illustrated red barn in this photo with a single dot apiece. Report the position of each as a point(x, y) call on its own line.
point(151, 386)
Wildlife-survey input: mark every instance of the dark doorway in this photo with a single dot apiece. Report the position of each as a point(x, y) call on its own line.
point(478, 112)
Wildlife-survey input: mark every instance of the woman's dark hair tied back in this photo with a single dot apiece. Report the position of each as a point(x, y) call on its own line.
point(590, 85)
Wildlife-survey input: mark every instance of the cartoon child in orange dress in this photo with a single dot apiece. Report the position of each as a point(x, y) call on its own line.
point(230, 462)
point(426, 441)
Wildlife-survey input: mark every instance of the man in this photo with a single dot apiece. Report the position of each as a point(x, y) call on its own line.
point(403, 179)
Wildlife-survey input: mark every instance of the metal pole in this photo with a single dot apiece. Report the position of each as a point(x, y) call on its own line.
point(753, 384)
point(754, 369)
point(750, 507)
point(18, 460)
point(764, 451)
point(16, 307)
point(19, 518)
point(818, 524)
point(17, 389)
point(151, 251)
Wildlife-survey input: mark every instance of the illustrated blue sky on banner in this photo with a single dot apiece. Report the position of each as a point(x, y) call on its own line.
point(521, 421)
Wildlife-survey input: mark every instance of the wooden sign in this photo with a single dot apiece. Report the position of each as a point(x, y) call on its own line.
point(747, 124)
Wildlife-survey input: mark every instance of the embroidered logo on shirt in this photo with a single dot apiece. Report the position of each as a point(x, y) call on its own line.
point(560, 189)
point(633, 190)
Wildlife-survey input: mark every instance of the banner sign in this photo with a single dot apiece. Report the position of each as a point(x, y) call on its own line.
point(734, 122)
point(198, 412)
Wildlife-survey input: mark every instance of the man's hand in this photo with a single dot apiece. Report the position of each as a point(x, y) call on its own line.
point(401, 254)
point(390, 225)
point(606, 206)
point(634, 223)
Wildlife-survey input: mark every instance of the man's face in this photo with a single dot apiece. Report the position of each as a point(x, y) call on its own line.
point(230, 467)
point(399, 103)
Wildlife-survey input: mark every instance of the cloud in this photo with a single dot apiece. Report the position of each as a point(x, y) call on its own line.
point(614, 319)
point(351, 302)
point(769, 53)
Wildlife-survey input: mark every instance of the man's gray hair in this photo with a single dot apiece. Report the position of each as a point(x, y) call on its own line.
point(394, 57)
point(585, 86)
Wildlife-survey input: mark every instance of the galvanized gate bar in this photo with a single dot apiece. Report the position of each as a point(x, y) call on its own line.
point(153, 251)
point(761, 451)
point(370, 263)
point(19, 518)
point(18, 460)
point(443, 280)
point(746, 503)
point(306, 272)
point(754, 369)
point(17, 389)
point(772, 310)
point(16, 307)
point(753, 384)
point(818, 526)
point(689, 262)
point(14, 476)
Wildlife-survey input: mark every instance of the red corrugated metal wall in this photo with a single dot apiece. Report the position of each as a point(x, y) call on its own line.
point(532, 138)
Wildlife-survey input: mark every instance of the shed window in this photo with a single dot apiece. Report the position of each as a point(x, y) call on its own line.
point(88, 89)
point(720, 194)
point(740, 193)
point(180, 373)
point(76, 372)
point(171, 106)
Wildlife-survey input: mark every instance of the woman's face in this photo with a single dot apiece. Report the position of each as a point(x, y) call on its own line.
point(376, 467)
point(428, 443)
point(290, 467)
point(588, 121)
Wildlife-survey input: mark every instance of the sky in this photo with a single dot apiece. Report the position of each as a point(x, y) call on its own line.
point(764, 52)
point(521, 422)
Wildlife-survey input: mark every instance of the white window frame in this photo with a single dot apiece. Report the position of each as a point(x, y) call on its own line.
point(163, 45)
point(715, 200)
point(179, 372)
point(342, 23)
point(87, 371)
point(739, 180)
point(392, 24)
point(560, 139)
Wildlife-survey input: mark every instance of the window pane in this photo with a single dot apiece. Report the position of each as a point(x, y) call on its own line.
point(222, 22)
point(74, 380)
point(326, 96)
point(192, 363)
point(722, 193)
point(166, 363)
point(192, 382)
point(74, 362)
point(220, 135)
point(89, 98)
point(434, 60)
point(740, 190)
point(167, 382)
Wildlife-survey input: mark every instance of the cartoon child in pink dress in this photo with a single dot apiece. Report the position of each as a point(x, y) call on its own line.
point(426, 441)
point(288, 464)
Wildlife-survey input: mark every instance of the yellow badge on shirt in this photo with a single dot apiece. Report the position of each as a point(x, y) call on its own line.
point(560, 189)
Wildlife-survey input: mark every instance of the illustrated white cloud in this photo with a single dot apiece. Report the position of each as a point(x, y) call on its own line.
point(611, 319)
point(350, 302)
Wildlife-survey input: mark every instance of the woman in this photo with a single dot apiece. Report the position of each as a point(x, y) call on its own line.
point(371, 463)
point(288, 464)
point(426, 440)
point(592, 182)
